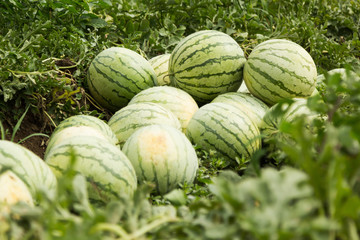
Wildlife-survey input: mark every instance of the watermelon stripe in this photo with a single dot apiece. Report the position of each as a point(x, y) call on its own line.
point(247, 103)
point(178, 51)
point(236, 125)
point(139, 157)
point(94, 159)
point(289, 51)
point(207, 48)
point(263, 87)
point(139, 66)
point(99, 186)
point(110, 79)
point(206, 93)
point(200, 77)
point(284, 70)
point(17, 163)
point(282, 57)
point(100, 97)
point(273, 81)
point(220, 137)
point(132, 111)
point(155, 179)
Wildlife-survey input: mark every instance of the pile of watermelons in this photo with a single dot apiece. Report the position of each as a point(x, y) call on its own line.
point(156, 117)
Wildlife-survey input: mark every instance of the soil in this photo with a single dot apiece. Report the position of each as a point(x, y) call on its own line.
point(29, 125)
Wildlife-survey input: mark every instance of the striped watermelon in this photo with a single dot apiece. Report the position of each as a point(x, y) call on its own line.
point(161, 67)
point(107, 170)
point(342, 72)
point(134, 116)
point(226, 129)
point(162, 154)
point(12, 191)
point(206, 64)
point(28, 167)
point(89, 121)
point(277, 69)
point(179, 102)
point(252, 106)
point(70, 132)
point(279, 114)
point(116, 75)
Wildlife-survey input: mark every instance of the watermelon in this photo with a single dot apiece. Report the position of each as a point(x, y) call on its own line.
point(70, 132)
point(278, 69)
point(12, 191)
point(116, 75)
point(28, 167)
point(134, 116)
point(162, 154)
point(161, 67)
point(206, 64)
point(108, 171)
point(342, 72)
point(252, 106)
point(226, 129)
point(280, 114)
point(89, 121)
point(179, 102)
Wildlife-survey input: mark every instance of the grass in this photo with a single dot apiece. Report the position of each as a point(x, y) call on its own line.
point(46, 48)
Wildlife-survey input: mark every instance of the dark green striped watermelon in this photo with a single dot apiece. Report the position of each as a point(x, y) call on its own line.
point(226, 129)
point(134, 116)
point(116, 75)
point(278, 69)
point(162, 154)
point(108, 171)
point(28, 167)
point(206, 64)
point(179, 102)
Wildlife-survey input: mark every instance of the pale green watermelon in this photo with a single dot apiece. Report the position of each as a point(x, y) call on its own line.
point(279, 69)
point(226, 129)
point(162, 154)
point(161, 67)
point(12, 191)
point(179, 102)
point(134, 116)
point(253, 107)
point(30, 168)
point(108, 172)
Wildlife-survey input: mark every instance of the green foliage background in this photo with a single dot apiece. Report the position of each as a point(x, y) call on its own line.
point(46, 47)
